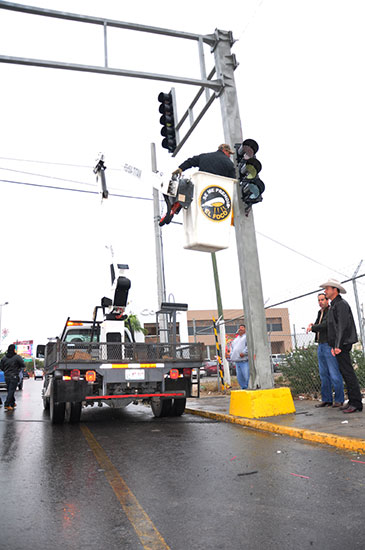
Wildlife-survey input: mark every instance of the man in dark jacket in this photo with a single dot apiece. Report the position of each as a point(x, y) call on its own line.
point(341, 335)
point(217, 163)
point(11, 364)
point(329, 371)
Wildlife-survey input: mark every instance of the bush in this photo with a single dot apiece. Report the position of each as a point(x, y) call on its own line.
point(301, 372)
point(358, 360)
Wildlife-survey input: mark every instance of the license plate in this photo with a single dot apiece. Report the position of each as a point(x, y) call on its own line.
point(134, 374)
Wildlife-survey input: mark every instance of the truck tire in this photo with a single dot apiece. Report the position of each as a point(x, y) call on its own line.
point(74, 412)
point(57, 411)
point(178, 407)
point(44, 390)
point(161, 407)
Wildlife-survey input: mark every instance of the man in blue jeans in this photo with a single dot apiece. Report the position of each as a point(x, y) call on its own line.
point(239, 355)
point(329, 370)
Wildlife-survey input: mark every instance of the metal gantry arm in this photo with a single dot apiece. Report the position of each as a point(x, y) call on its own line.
point(189, 114)
point(105, 23)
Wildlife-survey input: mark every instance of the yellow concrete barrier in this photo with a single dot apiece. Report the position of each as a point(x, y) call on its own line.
point(261, 403)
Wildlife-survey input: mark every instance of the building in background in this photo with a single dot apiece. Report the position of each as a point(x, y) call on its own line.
point(200, 327)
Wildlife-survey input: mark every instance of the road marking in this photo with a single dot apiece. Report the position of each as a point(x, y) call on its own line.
point(150, 538)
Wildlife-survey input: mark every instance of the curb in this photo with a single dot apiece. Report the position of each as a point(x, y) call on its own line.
point(341, 442)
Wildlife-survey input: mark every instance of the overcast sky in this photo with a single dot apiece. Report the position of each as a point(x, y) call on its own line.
point(301, 94)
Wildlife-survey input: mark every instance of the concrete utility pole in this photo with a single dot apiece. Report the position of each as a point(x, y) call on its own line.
point(1, 311)
point(253, 302)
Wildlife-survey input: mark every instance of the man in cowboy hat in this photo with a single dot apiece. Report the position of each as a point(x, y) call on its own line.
point(341, 335)
point(218, 163)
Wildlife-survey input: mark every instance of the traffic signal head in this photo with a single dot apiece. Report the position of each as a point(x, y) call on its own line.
point(248, 169)
point(168, 122)
point(252, 191)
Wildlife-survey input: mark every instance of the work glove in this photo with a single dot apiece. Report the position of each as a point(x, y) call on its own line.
point(177, 172)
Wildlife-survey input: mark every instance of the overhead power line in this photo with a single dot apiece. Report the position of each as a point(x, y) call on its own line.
point(301, 254)
point(75, 190)
point(50, 163)
point(47, 176)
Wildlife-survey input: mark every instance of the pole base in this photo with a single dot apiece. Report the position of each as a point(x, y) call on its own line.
point(261, 403)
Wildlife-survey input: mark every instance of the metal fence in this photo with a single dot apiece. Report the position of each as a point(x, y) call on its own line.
point(299, 371)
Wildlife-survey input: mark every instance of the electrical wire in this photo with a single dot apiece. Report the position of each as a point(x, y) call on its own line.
point(241, 317)
point(46, 176)
point(301, 254)
point(89, 167)
point(75, 190)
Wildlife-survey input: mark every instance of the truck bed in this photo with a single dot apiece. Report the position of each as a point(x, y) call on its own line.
point(189, 355)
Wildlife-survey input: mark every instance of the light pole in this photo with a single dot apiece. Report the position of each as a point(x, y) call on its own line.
point(1, 310)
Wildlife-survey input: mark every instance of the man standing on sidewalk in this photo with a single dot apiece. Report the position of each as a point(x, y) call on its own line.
point(239, 355)
point(329, 371)
point(11, 364)
point(341, 335)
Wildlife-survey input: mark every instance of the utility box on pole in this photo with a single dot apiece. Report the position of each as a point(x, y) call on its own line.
point(253, 303)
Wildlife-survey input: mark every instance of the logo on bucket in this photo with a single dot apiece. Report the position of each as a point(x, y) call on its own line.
point(215, 203)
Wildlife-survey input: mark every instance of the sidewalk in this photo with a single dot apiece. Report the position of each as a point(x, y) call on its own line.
point(325, 425)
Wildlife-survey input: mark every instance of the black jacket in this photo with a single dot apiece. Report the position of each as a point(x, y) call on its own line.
point(214, 163)
point(340, 324)
point(320, 328)
point(11, 364)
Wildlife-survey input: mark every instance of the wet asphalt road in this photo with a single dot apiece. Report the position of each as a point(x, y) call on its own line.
point(125, 480)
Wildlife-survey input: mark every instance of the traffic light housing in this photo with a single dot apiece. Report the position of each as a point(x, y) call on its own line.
point(249, 167)
point(168, 122)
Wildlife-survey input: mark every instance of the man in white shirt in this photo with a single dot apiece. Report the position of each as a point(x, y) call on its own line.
point(239, 355)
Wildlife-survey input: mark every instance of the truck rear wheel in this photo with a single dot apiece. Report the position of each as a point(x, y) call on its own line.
point(178, 407)
point(73, 412)
point(161, 407)
point(57, 411)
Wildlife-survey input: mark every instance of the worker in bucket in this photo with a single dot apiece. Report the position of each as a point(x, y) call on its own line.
point(218, 163)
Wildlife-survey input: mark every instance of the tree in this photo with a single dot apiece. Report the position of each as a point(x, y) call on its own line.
point(134, 324)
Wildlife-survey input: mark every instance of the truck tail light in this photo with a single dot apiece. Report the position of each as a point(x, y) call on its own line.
point(174, 374)
point(90, 376)
point(187, 373)
point(75, 374)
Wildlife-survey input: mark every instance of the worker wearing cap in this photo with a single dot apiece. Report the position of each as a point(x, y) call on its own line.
point(218, 163)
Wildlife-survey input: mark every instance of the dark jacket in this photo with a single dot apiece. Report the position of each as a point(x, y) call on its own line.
point(11, 364)
point(340, 324)
point(320, 328)
point(214, 163)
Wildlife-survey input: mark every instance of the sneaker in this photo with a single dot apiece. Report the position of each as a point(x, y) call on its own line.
point(9, 408)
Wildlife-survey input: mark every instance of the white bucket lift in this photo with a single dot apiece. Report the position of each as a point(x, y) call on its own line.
point(207, 221)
